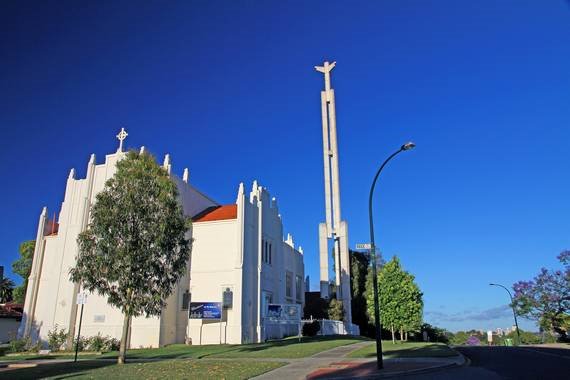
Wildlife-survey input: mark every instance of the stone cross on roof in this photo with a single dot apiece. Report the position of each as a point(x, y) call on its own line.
point(121, 136)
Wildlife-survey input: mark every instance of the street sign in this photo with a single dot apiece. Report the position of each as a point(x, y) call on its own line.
point(205, 310)
point(81, 298)
point(364, 246)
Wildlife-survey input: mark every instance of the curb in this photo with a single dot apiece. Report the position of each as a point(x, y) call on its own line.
point(434, 368)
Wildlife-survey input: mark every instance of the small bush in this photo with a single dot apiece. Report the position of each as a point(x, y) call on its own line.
point(56, 338)
point(311, 329)
point(20, 345)
point(82, 343)
point(112, 344)
point(97, 343)
point(101, 343)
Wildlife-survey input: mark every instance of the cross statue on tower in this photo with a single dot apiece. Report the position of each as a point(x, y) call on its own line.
point(121, 136)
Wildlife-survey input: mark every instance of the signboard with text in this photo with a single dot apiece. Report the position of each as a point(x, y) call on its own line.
point(205, 310)
point(284, 313)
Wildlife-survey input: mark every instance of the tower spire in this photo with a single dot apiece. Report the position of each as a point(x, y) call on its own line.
point(334, 228)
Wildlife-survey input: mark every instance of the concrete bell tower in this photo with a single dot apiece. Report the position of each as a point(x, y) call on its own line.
point(334, 228)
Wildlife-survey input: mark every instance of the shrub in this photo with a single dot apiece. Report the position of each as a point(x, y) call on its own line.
point(311, 329)
point(19, 345)
point(56, 338)
point(101, 343)
point(82, 343)
point(112, 344)
point(97, 343)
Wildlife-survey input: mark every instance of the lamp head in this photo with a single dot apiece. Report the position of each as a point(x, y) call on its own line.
point(409, 145)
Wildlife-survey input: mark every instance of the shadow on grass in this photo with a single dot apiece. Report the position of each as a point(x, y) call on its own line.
point(284, 343)
point(430, 350)
point(61, 370)
point(181, 351)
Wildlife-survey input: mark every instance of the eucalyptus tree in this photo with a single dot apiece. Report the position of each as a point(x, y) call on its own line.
point(135, 248)
point(401, 304)
point(22, 267)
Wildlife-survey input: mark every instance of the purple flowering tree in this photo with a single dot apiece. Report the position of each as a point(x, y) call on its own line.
point(547, 297)
point(473, 341)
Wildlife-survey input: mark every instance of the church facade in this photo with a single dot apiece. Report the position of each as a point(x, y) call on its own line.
point(239, 258)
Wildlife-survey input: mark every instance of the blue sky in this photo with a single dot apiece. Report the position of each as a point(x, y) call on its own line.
point(229, 90)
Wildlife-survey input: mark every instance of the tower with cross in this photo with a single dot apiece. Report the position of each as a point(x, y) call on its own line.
point(334, 228)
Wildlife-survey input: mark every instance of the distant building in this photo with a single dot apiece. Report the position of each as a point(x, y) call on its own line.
point(10, 317)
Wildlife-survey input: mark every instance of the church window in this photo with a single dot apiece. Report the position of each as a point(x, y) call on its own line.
point(288, 284)
point(269, 253)
point(298, 287)
point(185, 300)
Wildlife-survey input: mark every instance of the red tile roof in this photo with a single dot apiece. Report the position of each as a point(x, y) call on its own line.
point(220, 213)
point(11, 310)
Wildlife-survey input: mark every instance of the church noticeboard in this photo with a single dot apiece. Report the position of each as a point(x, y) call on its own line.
point(205, 310)
point(284, 313)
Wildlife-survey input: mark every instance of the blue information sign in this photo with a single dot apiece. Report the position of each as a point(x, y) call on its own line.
point(205, 310)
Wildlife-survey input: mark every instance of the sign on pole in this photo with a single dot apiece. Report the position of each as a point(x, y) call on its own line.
point(205, 310)
point(81, 298)
point(364, 246)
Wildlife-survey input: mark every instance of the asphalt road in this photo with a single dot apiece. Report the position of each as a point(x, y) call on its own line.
point(507, 363)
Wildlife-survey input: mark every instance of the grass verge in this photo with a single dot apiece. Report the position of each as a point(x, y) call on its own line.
point(405, 350)
point(285, 348)
point(167, 369)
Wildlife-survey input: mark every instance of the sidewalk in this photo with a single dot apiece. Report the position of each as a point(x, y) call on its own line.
point(333, 364)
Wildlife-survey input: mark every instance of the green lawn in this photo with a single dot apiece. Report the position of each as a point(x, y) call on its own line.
point(405, 350)
point(167, 369)
point(58, 355)
point(286, 348)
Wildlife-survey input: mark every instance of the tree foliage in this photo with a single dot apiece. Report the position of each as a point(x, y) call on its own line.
point(22, 267)
point(359, 266)
point(335, 310)
point(135, 248)
point(401, 304)
point(6, 290)
point(546, 298)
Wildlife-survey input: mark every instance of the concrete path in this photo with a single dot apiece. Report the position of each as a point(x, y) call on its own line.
point(334, 364)
point(301, 368)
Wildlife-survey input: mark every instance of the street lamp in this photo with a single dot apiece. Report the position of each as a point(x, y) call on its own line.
point(513, 307)
point(379, 362)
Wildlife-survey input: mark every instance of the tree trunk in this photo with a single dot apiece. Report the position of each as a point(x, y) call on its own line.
point(406, 336)
point(401, 335)
point(393, 335)
point(123, 348)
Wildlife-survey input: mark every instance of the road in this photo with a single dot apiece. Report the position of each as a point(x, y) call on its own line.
point(507, 363)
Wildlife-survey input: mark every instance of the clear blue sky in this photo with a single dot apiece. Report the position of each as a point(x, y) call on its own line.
point(229, 90)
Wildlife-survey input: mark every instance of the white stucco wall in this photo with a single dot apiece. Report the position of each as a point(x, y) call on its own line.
point(53, 302)
point(226, 254)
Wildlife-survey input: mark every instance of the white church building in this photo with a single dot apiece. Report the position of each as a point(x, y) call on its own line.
point(239, 259)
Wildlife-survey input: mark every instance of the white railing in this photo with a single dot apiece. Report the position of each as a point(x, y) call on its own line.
point(332, 327)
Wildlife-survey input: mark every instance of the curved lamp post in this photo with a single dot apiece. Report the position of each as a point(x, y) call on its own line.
point(379, 362)
point(514, 312)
